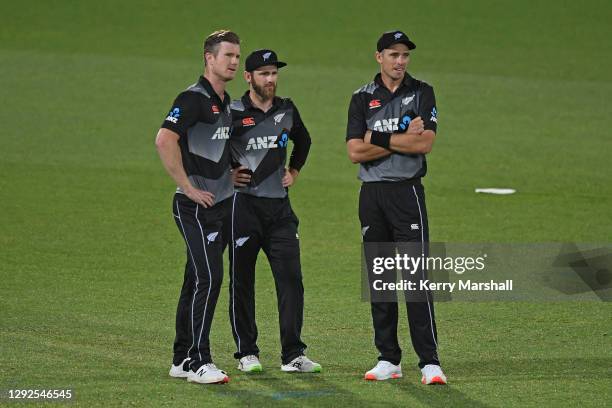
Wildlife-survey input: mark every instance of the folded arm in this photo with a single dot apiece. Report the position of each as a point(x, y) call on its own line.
point(359, 151)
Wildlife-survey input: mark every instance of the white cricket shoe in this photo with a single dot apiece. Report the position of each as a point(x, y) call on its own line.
point(178, 371)
point(250, 364)
point(432, 374)
point(301, 364)
point(208, 374)
point(383, 371)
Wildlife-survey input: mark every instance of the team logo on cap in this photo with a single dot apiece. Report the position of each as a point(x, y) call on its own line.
point(398, 35)
point(248, 121)
point(375, 103)
point(266, 56)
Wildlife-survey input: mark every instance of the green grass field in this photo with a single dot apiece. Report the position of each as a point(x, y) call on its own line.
point(91, 261)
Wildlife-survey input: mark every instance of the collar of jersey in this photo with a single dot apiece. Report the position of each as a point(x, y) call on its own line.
point(206, 84)
point(406, 82)
point(248, 104)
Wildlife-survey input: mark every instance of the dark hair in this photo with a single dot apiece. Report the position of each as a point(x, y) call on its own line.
point(211, 43)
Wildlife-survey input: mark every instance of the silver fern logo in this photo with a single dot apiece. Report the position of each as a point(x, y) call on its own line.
point(278, 118)
point(407, 100)
point(211, 237)
point(240, 241)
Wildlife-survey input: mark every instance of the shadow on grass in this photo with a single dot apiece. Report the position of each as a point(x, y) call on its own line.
point(439, 395)
point(282, 389)
point(495, 371)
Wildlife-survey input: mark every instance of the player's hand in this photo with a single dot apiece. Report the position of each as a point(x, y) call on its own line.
point(241, 176)
point(416, 125)
point(289, 177)
point(204, 198)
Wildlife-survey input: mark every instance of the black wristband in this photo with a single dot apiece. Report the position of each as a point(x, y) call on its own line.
point(381, 139)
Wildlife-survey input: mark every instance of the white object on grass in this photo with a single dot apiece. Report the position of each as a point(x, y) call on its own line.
point(502, 191)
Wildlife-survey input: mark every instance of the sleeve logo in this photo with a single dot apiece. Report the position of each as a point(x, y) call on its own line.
point(434, 115)
point(174, 115)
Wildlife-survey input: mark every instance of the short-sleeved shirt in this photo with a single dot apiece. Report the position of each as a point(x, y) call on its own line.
point(203, 120)
point(259, 141)
point(375, 107)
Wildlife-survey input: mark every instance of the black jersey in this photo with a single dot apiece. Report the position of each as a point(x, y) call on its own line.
point(374, 107)
point(203, 123)
point(259, 142)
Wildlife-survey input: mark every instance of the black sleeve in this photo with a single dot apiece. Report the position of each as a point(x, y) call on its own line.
point(184, 113)
point(427, 109)
point(356, 125)
point(301, 141)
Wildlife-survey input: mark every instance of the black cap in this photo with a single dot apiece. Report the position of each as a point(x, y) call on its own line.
point(394, 37)
point(262, 58)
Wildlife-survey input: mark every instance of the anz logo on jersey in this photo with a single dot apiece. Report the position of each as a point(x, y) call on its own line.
point(221, 133)
point(386, 125)
point(392, 125)
point(268, 142)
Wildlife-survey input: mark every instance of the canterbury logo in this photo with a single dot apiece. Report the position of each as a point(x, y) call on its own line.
point(240, 241)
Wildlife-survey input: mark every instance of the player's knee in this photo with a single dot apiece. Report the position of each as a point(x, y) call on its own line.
point(290, 277)
point(216, 282)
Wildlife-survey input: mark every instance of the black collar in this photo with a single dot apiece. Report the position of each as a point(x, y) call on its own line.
point(406, 82)
point(248, 103)
point(208, 87)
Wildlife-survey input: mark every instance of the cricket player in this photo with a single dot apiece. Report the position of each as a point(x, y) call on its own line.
point(193, 146)
point(392, 125)
point(262, 217)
